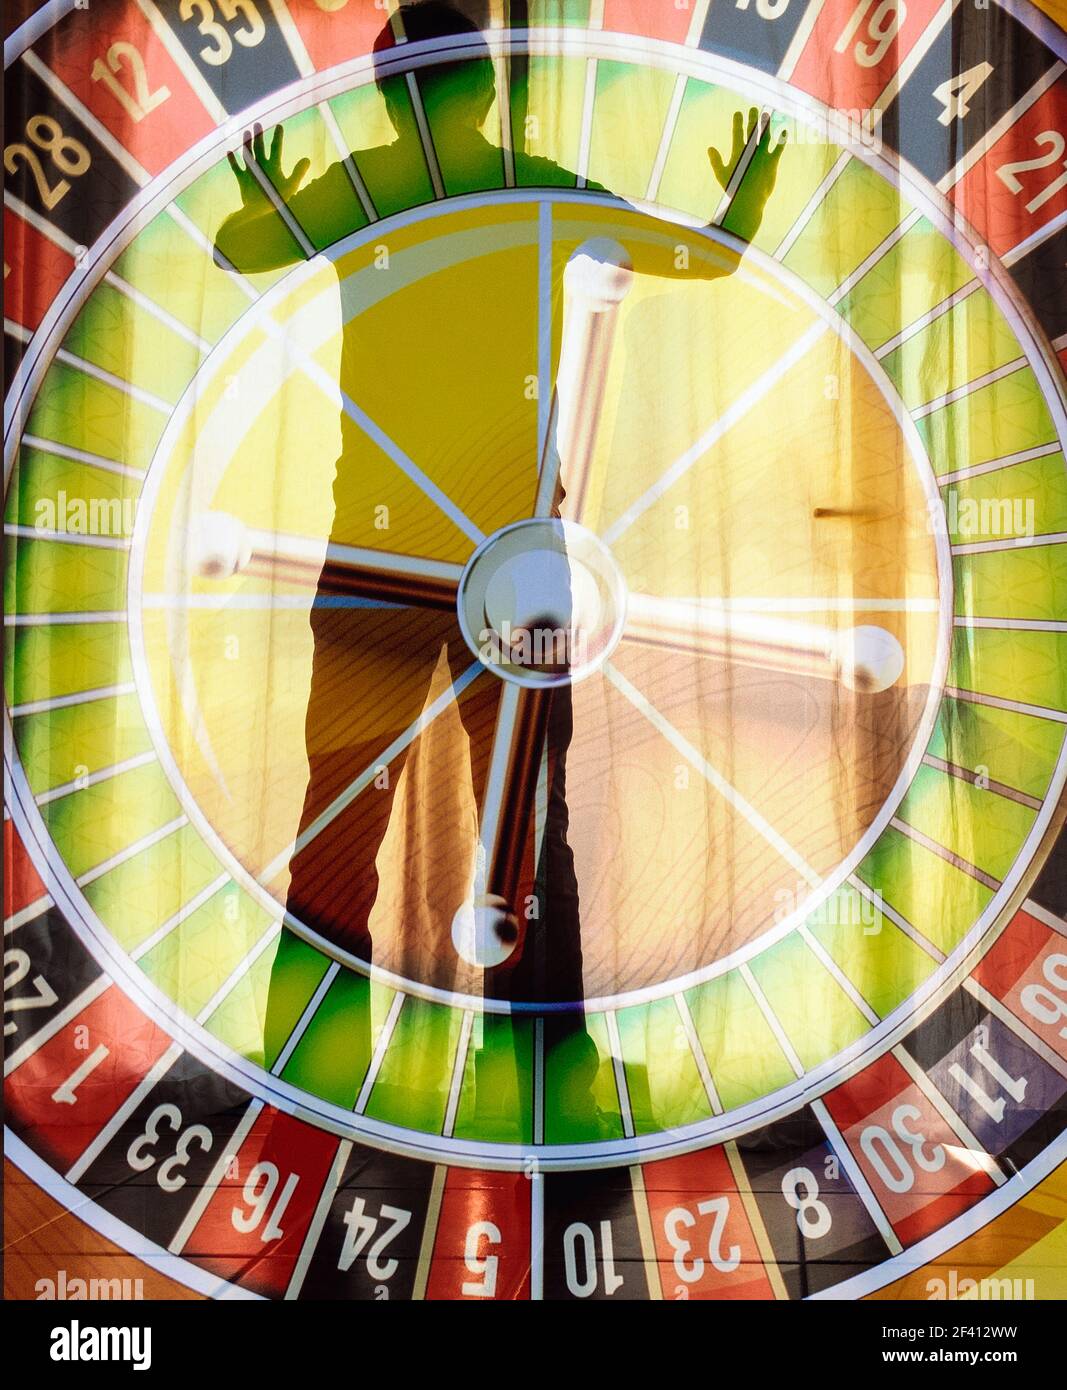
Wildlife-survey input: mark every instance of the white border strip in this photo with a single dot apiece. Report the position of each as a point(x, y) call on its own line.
point(111, 1228)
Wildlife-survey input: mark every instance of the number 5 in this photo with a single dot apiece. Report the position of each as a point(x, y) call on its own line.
point(485, 1265)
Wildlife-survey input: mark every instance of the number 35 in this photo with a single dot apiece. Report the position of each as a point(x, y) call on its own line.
point(247, 37)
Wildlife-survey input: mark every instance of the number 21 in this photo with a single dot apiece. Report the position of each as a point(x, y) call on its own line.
point(1007, 173)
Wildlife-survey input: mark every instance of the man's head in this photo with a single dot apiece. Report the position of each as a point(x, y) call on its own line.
point(465, 89)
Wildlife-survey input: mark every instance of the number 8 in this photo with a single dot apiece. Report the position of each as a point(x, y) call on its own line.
point(813, 1216)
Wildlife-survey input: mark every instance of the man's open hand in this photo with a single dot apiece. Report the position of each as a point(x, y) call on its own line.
point(757, 185)
point(255, 152)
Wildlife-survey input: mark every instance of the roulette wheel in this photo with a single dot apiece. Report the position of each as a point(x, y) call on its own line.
point(275, 814)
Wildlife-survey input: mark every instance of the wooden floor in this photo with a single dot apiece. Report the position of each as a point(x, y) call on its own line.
point(41, 1238)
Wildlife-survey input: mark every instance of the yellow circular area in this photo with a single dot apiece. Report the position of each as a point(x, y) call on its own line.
point(747, 460)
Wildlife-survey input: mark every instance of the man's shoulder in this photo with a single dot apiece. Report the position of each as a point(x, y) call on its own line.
point(534, 170)
point(324, 185)
point(537, 171)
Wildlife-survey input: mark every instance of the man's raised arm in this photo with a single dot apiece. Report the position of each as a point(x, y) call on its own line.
point(746, 206)
point(255, 237)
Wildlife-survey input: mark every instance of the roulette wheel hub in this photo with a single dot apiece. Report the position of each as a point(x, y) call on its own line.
point(542, 602)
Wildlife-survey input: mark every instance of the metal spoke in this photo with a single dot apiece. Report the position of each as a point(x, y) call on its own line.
point(596, 281)
point(486, 929)
point(865, 658)
point(510, 786)
point(223, 546)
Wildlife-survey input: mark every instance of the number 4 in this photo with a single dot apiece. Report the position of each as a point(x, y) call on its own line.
point(955, 94)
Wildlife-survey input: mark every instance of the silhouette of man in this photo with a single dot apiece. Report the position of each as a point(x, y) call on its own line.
point(334, 880)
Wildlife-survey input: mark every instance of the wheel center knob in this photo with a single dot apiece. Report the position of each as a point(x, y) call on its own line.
point(542, 602)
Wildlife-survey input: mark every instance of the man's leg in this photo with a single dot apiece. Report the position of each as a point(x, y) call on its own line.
point(333, 875)
point(550, 967)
